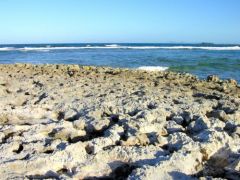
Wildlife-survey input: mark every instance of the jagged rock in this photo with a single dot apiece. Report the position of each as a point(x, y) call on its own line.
point(179, 119)
point(2, 135)
point(216, 124)
point(219, 159)
point(140, 139)
point(237, 131)
point(235, 116)
point(153, 127)
point(162, 141)
point(98, 125)
point(198, 125)
point(79, 124)
point(172, 126)
point(220, 114)
point(208, 135)
point(213, 78)
point(74, 122)
point(177, 140)
point(233, 82)
point(233, 169)
point(70, 114)
point(169, 168)
point(230, 127)
point(111, 137)
point(66, 134)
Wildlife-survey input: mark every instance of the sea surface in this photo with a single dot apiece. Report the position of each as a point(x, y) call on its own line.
point(199, 59)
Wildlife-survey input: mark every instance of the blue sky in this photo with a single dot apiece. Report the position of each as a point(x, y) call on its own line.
point(56, 21)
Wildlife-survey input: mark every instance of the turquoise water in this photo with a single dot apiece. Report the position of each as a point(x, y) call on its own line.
point(198, 59)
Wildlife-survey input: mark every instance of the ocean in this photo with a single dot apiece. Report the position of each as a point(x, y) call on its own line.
point(199, 59)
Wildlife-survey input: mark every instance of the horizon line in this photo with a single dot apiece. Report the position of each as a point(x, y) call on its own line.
point(45, 43)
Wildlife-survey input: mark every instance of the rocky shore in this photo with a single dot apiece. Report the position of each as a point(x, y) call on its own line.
point(82, 122)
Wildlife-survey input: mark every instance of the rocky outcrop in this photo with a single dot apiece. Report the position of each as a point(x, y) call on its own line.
point(83, 122)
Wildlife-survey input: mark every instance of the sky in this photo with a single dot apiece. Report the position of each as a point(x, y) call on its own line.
point(146, 21)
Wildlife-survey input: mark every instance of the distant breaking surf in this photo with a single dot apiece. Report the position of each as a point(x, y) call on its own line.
point(115, 46)
point(153, 68)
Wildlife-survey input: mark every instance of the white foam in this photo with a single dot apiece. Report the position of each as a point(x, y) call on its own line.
point(144, 47)
point(153, 68)
point(67, 48)
point(186, 47)
point(7, 49)
point(203, 47)
point(47, 48)
point(115, 46)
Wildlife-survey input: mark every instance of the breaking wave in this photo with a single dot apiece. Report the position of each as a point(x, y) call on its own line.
point(153, 68)
point(115, 46)
point(7, 49)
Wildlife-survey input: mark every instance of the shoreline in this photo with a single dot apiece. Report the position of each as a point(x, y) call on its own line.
point(71, 121)
point(149, 69)
point(146, 69)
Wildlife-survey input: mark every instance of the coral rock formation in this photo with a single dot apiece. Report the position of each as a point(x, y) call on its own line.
point(83, 122)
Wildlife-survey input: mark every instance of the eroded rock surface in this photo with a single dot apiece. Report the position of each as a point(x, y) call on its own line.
point(81, 122)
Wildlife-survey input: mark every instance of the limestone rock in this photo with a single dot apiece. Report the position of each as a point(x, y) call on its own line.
point(178, 119)
point(213, 78)
point(220, 114)
point(172, 127)
point(198, 125)
point(84, 122)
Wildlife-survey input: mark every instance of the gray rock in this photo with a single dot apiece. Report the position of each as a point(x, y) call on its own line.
point(187, 116)
point(177, 140)
point(230, 127)
point(198, 125)
point(220, 114)
point(172, 127)
point(178, 119)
